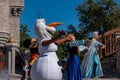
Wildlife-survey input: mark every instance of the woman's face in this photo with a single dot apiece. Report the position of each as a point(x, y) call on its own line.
point(96, 37)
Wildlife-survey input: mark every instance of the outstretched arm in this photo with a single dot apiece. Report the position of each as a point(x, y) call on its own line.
point(68, 38)
point(103, 46)
point(57, 40)
point(77, 43)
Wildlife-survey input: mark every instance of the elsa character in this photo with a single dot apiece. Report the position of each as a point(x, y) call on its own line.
point(91, 61)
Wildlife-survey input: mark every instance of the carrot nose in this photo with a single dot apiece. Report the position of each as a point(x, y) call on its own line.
point(54, 24)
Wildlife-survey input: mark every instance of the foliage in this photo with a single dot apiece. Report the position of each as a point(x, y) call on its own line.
point(62, 48)
point(23, 35)
point(62, 51)
point(72, 29)
point(94, 14)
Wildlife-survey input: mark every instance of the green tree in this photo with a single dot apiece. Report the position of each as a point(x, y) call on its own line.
point(94, 14)
point(23, 35)
point(62, 48)
point(72, 29)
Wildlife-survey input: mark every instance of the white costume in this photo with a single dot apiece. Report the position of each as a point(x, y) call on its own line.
point(46, 66)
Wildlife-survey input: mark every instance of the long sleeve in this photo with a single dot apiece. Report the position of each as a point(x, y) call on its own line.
point(100, 43)
point(82, 48)
point(77, 43)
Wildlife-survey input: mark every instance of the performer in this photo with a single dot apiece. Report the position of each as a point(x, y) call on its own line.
point(34, 53)
point(31, 54)
point(91, 60)
point(46, 66)
point(73, 71)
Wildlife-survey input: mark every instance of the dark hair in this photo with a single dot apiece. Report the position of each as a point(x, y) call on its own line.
point(27, 43)
point(73, 50)
point(34, 50)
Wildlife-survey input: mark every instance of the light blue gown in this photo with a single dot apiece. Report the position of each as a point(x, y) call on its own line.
point(90, 58)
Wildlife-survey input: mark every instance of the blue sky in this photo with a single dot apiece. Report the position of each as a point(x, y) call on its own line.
point(52, 10)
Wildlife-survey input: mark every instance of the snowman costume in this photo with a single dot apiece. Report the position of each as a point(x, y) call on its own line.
point(46, 65)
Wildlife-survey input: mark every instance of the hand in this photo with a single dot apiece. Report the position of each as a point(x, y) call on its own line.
point(88, 40)
point(86, 54)
point(103, 47)
point(70, 37)
point(73, 37)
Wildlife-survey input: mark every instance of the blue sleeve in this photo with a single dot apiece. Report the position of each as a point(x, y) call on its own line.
point(82, 48)
point(100, 43)
point(77, 43)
